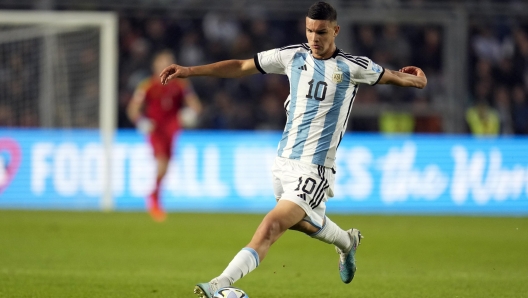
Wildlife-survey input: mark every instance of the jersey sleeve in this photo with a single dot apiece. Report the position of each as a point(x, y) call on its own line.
point(144, 85)
point(367, 72)
point(271, 61)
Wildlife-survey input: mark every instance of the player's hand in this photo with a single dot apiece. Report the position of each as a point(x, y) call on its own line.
point(413, 70)
point(145, 125)
point(173, 71)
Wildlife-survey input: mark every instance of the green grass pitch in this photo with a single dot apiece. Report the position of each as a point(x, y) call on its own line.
point(91, 254)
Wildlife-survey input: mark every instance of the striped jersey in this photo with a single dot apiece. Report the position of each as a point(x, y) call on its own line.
point(320, 100)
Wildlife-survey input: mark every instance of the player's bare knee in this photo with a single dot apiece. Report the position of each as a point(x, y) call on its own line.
point(270, 228)
point(273, 227)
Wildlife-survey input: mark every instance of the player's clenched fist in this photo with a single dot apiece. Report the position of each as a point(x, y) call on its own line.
point(173, 71)
point(413, 70)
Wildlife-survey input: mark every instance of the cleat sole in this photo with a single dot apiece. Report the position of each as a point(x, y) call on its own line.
point(198, 291)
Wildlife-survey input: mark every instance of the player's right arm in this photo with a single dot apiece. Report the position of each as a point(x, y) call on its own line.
point(135, 106)
point(222, 69)
point(135, 111)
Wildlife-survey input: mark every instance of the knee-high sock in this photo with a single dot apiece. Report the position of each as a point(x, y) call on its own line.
point(244, 262)
point(332, 234)
point(155, 193)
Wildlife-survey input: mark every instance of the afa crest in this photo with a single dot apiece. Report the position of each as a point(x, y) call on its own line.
point(337, 76)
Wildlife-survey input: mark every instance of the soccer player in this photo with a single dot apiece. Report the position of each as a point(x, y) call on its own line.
point(323, 83)
point(155, 109)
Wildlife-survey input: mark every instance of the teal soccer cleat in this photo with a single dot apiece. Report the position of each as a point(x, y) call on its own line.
point(206, 289)
point(347, 261)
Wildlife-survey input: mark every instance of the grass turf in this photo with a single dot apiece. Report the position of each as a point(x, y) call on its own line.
point(90, 254)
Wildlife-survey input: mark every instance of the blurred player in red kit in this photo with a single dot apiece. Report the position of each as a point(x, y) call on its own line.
point(156, 110)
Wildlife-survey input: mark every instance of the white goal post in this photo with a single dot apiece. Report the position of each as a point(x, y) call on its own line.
point(34, 24)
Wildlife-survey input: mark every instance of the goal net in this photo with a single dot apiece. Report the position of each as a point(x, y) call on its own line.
point(51, 70)
point(59, 70)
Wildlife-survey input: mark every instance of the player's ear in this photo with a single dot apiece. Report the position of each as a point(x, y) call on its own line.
point(336, 29)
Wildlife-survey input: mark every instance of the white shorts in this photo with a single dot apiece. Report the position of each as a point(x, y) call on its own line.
point(307, 185)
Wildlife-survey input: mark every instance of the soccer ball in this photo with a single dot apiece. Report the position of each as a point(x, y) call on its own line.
point(230, 292)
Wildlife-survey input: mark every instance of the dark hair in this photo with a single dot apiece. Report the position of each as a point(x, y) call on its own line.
point(322, 11)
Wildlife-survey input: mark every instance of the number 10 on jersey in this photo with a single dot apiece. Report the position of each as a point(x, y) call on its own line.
point(320, 90)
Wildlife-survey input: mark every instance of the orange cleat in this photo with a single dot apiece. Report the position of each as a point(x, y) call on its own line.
point(157, 214)
point(154, 209)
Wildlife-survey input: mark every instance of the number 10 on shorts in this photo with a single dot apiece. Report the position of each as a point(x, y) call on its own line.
point(308, 185)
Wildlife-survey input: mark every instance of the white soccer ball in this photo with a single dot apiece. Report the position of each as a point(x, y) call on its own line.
point(230, 292)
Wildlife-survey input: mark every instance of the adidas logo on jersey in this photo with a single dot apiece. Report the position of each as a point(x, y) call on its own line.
point(303, 67)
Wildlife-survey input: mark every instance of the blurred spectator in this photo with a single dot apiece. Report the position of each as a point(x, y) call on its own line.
point(391, 122)
point(219, 28)
point(262, 36)
point(155, 33)
point(16, 80)
point(365, 99)
point(501, 65)
point(505, 73)
point(425, 121)
point(483, 72)
point(6, 116)
point(276, 85)
point(486, 45)
point(502, 102)
point(244, 116)
point(220, 114)
point(481, 118)
point(428, 124)
point(191, 52)
point(520, 110)
point(395, 44)
point(86, 106)
point(28, 118)
point(366, 41)
point(242, 47)
point(429, 54)
point(271, 114)
point(84, 79)
point(136, 67)
point(520, 56)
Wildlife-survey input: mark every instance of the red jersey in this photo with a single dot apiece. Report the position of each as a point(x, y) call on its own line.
point(162, 102)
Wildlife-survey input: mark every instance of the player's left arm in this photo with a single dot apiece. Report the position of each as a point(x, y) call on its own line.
point(409, 76)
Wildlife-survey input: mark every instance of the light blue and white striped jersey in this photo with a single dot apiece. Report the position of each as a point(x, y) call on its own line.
point(320, 100)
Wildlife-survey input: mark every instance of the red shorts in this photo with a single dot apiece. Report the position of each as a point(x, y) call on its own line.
point(162, 138)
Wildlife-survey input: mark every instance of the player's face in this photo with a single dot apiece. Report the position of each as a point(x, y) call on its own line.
point(162, 61)
point(321, 36)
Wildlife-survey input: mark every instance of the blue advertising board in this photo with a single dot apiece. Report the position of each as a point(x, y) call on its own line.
point(230, 172)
